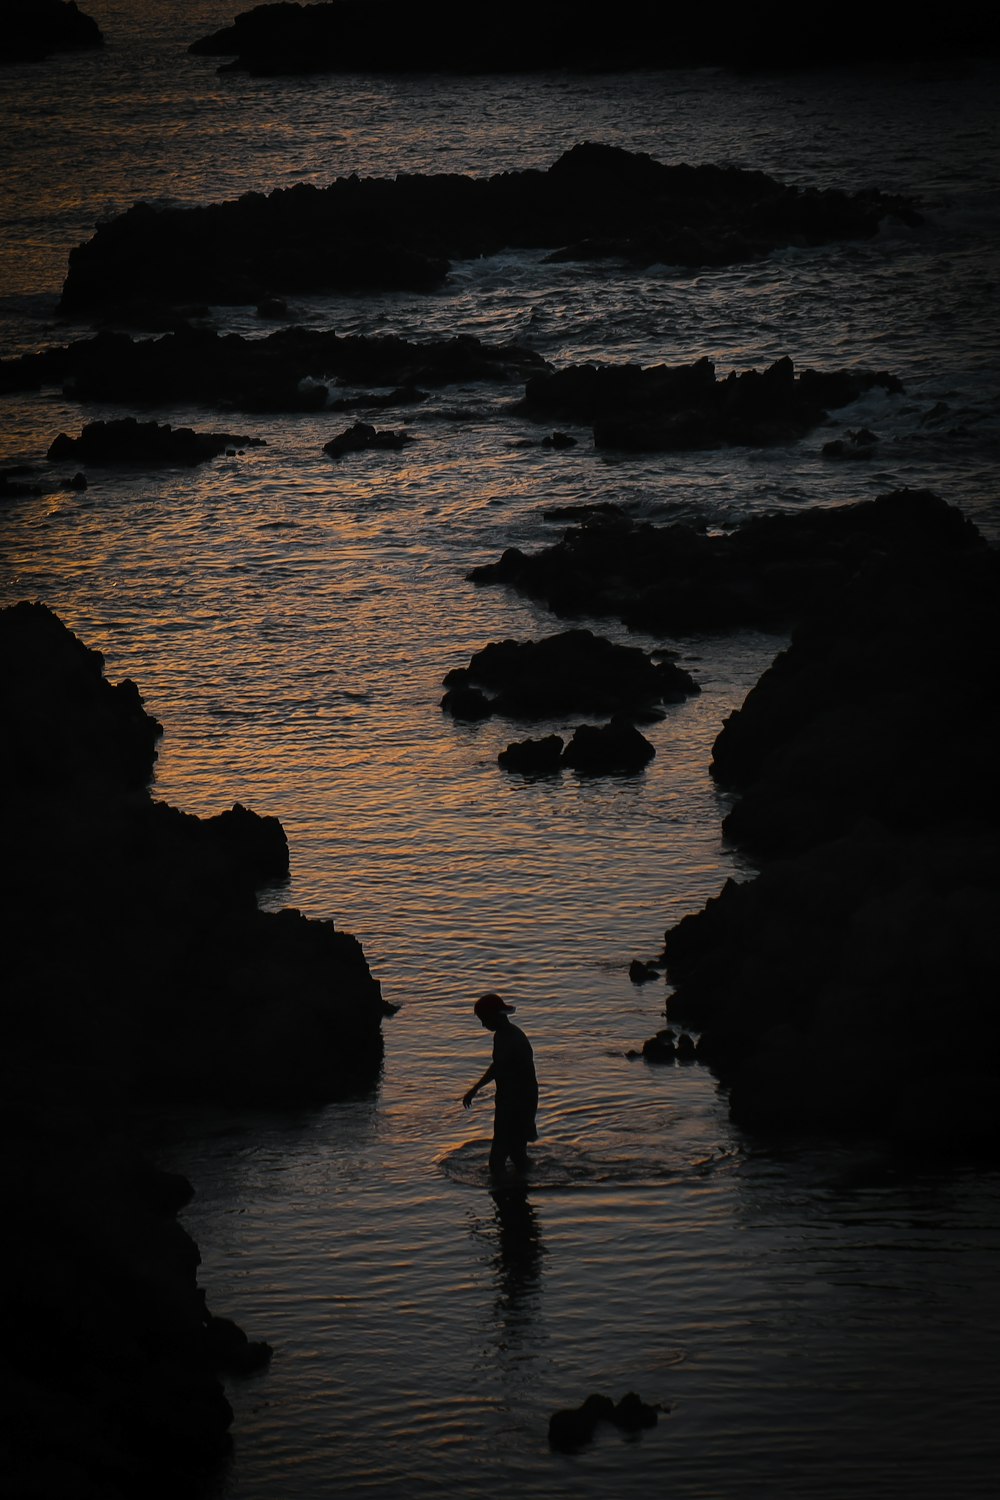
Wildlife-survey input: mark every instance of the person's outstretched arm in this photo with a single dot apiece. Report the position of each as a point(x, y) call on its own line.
point(470, 1094)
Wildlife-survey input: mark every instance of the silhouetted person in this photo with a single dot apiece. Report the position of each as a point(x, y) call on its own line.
point(513, 1072)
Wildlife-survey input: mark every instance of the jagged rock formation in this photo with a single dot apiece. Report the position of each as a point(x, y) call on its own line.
point(360, 233)
point(850, 987)
point(289, 370)
point(150, 443)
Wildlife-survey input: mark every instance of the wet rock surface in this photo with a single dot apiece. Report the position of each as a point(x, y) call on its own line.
point(668, 408)
point(131, 442)
point(402, 233)
point(765, 574)
point(362, 436)
point(850, 987)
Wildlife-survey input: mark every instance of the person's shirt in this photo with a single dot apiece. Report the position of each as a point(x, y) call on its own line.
point(513, 1064)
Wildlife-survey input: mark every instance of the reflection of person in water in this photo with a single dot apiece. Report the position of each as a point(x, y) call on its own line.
point(513, 1072)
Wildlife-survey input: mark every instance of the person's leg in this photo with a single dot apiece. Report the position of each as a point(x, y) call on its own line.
point(498, 1155)
point(519, 1155)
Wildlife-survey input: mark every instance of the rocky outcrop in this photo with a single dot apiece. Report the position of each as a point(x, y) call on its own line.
point(571, 1428)
point(291, 369)
point(615, 749)
point(362, 436)
point(345, 37)
point(402, 233)
point(669, 408)
point(149, 443)
point(765, 574)
point(850, 987)
point(33, 29)
point(191, 990)
point(111, 1358)
point(572, 672)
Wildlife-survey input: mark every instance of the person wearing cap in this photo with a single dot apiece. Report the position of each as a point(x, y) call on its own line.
point(513, 1072)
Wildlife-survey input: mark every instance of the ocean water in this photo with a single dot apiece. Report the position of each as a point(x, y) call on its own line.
point(815, 1318)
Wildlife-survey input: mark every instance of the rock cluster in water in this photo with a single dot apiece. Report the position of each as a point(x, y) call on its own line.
point(575, 1426)
point(361, 233)
point(32, 29)
point(149, 443)
point(851, 986)
point(766, 574)
point(138, 968)
point(290, 370)
point(345, 36)
point(572, 672)
point(667, 408)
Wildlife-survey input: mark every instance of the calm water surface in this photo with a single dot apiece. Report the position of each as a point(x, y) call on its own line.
point(816, 1319)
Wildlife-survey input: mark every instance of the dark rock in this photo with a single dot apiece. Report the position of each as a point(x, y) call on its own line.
point(675, 579)
point(467, 703)
point(32, 29)
point(687, 1051)
point(610, 749)
point(357, 234)
point(363, 435)
point(642, 973)
point(660, 1048)
point(130, 442)
point(533, 757)
point(288, 370)
point(574, 671)
point(829, 988)
point(860, 444)
point(344, 37)
point(559, 440)
point(667, 408)
point(272, 309)
point(573, 1427)
point(229, 1349)
point(194, 992)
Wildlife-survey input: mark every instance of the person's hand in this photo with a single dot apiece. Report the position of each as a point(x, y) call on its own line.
point(467, 1098)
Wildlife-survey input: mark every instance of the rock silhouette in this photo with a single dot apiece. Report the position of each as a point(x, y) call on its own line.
point(33, 29)
point(402, 233)
point(344, 36)
point(573, 671)
point(573, 1427)
point(765, 574)
point(668, 408)
point(830, 989)
point(292, 369)
point(362, 436)
point(129, 441)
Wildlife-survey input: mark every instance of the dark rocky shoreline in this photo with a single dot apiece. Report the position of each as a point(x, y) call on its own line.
point(273, 40)
point(850, 988)
point(31, 30)
point(139, 970)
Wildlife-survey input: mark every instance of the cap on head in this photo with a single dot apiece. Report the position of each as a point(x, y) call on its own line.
point(491, 1005)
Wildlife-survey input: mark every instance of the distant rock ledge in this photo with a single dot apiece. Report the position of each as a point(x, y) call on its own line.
point(31, 30)
point(402, 233)
point(547, 35)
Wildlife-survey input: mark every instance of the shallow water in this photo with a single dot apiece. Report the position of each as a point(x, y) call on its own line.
point(816, 1319)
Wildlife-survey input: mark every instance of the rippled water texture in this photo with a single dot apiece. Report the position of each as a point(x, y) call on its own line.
point(817, 1321)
